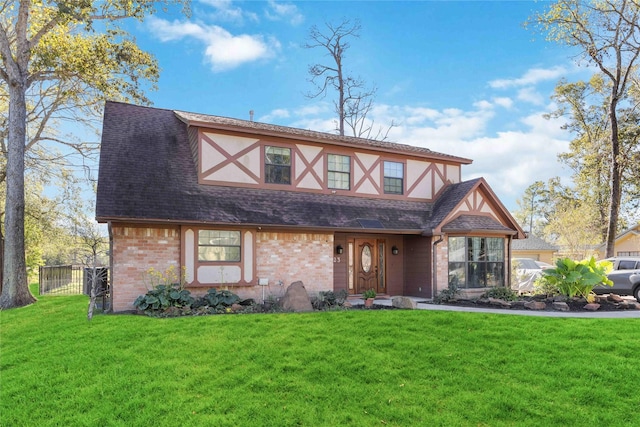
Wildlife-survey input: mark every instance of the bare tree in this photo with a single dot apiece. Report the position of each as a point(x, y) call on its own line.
point(355, 99)
point(94, 244)
point(607, 35)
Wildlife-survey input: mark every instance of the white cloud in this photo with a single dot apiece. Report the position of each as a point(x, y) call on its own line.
point(284, 11)
point(225, 10)
point(280, 113)
point(223, 50)
point(530, 95)
point(531, 77)
point(509, 160)
point(503, 102)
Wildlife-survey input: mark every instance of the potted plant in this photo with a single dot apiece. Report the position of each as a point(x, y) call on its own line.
point(368, 296)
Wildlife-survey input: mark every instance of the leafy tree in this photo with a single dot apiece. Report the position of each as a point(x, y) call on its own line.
point(55, 65)
point(606, 33)
point(528, 207)
point(586, 106)
point(355, 99)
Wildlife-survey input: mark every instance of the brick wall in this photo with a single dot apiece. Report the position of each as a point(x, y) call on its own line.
point(280, 258)
point(135, 250)
point(289, 257)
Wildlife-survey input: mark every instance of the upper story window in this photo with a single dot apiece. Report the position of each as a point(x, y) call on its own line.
point(219, 245)
point(339, 172)
point(277, 165)
point(393, 177)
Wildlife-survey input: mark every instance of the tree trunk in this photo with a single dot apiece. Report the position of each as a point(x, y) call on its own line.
point(15, 289)
point(616, 191)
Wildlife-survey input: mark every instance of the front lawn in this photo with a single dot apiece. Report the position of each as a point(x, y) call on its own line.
point(359, 368)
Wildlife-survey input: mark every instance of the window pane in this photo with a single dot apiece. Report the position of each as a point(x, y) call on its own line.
point(277, 168)
point(219, 253)
point(274, 174)
point(393, 177)
point(339, 168)
point(457, 274)
point(495, 274)
point(457, 249)
point(218, 245)
point(477, 251)
point(476, 274)
point(277, 156)
point(338, 180)
point(339, 163)
point(495, 249)
point(392, 185)
point(393, 170)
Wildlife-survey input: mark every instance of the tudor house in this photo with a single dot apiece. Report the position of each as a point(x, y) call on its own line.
point(252, 207)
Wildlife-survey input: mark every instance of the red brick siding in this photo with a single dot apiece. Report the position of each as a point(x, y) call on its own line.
point(135, 250)
point(289, 257)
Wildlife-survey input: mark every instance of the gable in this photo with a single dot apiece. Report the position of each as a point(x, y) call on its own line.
point(472, 206)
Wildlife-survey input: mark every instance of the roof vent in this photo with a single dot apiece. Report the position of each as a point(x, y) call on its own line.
point(251, 115)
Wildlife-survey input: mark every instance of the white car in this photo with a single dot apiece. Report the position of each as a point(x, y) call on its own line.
point(527, 270)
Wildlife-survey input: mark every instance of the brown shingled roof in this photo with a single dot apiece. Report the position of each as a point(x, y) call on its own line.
point(218, 122)
point(147, 174)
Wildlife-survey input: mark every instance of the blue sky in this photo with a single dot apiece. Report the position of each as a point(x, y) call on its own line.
point(462, 78)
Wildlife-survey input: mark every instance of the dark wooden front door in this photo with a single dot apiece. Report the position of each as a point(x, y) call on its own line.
point(366, 265)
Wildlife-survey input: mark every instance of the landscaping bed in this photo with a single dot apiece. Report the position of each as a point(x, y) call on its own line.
point(558, 303)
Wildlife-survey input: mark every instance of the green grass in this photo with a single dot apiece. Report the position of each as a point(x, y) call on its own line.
point(359, 368)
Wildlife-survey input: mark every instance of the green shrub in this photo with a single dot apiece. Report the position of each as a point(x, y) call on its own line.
point(573, 278)
point(330, 299)
point(217, 301)
point(541, 286)
point(447, 294)
point(162, 297)
point(369, 293)
point(501, 292)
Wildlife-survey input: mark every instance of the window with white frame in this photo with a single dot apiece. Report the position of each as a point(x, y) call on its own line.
point(277, 165)
point(339, 172)
point(476, 262)
point(219, 245)
point(393, 178)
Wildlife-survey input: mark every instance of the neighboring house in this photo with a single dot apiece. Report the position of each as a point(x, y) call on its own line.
point(627, 243)
point(535, 248)
point(253, 207)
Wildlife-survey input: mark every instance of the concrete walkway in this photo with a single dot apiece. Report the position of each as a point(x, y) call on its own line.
point(421, 305)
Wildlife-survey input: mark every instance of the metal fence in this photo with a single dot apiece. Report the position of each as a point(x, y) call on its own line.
point(72, 280)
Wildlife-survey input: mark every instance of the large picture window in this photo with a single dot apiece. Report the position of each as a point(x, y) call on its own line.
point(339, 172)
point(219, 245)
point(277, 165)
point(393, 177)
point(476, 262)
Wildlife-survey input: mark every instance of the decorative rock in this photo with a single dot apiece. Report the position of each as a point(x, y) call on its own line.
point(592, 306)
point(403, 302)
point(560, 306)
point(601, 299)
point(535, 305)
point(615, 298)
point(296, 298)
point(518, 304)
point(559, 298)
point(634, 305)
point(499, 302)
point(236, 308)
point(347, 304)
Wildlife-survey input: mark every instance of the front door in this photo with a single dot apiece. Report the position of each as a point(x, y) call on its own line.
point(366, 270)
